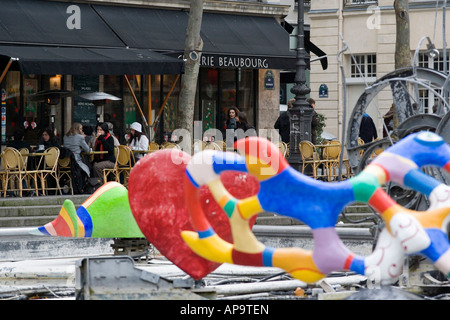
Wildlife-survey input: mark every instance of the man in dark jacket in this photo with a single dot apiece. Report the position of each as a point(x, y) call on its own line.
point(18, 142)
point(314, 120)
point(283, 124)
point(367, 129)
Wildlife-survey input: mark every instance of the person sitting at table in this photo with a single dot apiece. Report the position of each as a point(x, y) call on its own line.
point(75, 142)
point(111, 132)
point(48, 139)
point(89, 136)
point(104, 142)
point(138, 140)
point(18, 142)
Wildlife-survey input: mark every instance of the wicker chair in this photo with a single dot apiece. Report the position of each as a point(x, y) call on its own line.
point(310, 158)
point(283, 147)
point(221, 144)
point(153, 146)
point(64, 172)
point(2, 173)
point(199, 145)
point(16, 176)
point(125, 163)
point(331, 156)
point(50, 170)
point(122, 167)
point(170, 145)
point(213, 146)
point(112, 173)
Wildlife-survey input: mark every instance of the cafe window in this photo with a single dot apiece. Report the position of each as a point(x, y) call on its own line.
point(10, 110)
point(42, 112)
point(171, 106)
point(130, 108)
point(227, 92)
point(113, 109)
point(246, 94)
point(221, 89)
point(208, 97)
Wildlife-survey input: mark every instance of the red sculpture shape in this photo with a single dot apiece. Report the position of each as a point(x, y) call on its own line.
point(156, 196)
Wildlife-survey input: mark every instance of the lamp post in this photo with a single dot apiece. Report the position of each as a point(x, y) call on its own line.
point(300, 114)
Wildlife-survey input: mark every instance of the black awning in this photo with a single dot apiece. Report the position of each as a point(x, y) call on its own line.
point(246, 42)
point(157, 29)
point(49, 37)
point(38, 22)
point(229, 40)
point(89, 61)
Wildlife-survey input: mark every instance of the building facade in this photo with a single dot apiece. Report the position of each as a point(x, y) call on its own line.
point(86, 46)
point(368, 27)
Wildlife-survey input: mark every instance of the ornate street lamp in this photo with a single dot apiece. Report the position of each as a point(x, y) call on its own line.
point(300, 114)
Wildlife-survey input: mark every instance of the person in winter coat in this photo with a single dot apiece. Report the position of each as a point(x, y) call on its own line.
point(74, 141)
point(138, 140)
point(367, 129)
point(104, 142)
point(283, 123)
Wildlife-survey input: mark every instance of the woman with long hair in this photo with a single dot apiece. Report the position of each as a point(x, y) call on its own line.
point(104, 142)
point(242, 123)
point(48, 139)
point(231, 118)
point(75, 142)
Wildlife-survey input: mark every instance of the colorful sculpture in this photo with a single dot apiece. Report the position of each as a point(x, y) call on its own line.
point(174, 224)
point(153, 208)
point(156, 199)
point(105, 214)
point(318, 204)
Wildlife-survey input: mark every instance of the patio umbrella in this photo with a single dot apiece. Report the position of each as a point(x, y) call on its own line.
point(99, 96)
point(328, 136)
point(51, 97)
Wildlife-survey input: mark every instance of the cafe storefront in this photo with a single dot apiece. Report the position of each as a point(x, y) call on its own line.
point(134, 54)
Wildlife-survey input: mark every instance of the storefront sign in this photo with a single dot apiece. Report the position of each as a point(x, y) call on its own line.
point(219, 61)
point(323, 91)
point(84, 110)
point(269, 82)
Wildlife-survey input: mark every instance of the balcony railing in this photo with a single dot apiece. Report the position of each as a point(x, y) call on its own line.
point(350, 3)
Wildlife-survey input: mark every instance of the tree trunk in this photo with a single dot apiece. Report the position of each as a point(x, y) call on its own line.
point(402, 45)
point(402, 104)
point(192, 55)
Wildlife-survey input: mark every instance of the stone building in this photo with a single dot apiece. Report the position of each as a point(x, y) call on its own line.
point(110, 45)
point(369, 29)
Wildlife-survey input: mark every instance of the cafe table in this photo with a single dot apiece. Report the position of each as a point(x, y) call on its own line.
point(91, 154)
point(143, 151)
point(36, 159)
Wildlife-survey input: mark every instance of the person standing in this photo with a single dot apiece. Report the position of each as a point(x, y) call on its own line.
point(231, 124)
point(314, 120)
point(367, 129)
point(104, 142)
point(231, 118)
point(242, 123)
point(388, 120)
point(283, 123)
point(138, 140)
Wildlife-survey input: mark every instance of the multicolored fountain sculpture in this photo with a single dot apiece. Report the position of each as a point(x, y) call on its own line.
point(105, 214)
point(183, 223)
point(318, 204)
